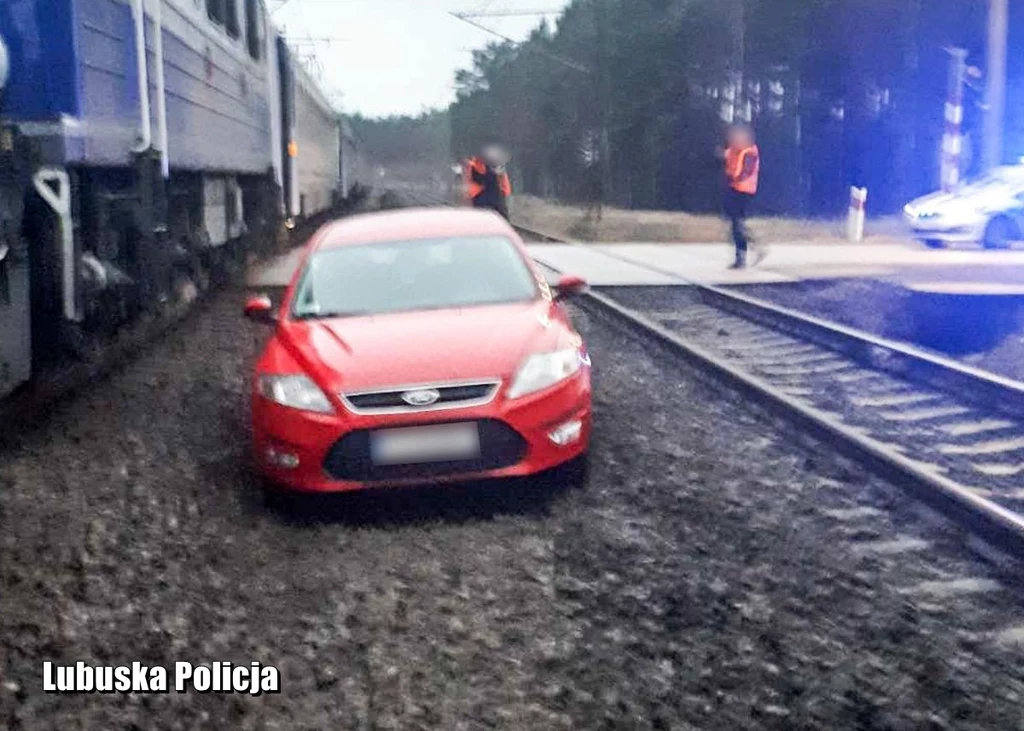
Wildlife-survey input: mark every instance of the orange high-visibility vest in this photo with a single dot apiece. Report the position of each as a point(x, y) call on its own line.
point(473, 164)
point(473, 188)
point(735, 161)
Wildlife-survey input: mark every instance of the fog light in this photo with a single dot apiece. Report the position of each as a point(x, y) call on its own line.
point(567, 433)
point(284, 460)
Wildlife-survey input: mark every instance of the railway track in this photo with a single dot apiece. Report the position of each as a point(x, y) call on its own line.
point(950, 435)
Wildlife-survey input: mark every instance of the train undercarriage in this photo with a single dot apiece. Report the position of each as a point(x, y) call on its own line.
point(85, 251)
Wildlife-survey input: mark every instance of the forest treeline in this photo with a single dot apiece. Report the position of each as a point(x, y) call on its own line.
point(626, 100)
point(406, 147)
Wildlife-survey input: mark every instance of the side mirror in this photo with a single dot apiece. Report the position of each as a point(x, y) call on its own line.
point(259, 309)
point(569, 285)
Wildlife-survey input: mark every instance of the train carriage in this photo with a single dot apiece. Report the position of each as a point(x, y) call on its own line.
point(144, 145)
point(312, 149)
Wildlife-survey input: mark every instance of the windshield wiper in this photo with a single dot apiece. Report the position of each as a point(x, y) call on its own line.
point(329, 314)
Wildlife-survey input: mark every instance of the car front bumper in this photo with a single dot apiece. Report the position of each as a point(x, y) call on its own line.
point(950, 232)
point(309, 452)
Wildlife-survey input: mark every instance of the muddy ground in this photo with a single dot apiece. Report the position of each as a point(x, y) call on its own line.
point(695, 584)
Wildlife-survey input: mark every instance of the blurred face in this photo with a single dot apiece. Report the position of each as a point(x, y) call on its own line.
point(739, 137)
point(494, 155)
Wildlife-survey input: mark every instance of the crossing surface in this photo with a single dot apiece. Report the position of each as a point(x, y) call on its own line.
point(624, 264)
point(966, 271)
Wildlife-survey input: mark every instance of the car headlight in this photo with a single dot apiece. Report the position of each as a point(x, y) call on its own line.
point(544, 369)
point(913, 212)
point(296, 391)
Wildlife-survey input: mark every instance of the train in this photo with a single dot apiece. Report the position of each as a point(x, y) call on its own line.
point(146, 148)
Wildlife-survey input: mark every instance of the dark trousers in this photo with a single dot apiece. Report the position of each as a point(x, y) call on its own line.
point(736, 205)
point(495, 203)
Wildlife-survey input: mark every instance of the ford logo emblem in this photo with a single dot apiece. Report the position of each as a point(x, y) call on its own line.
point(423, 397)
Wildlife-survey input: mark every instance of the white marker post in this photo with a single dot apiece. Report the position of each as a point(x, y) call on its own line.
point(855, 221)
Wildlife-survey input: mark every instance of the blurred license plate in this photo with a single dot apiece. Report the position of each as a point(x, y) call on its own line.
point(425, 444)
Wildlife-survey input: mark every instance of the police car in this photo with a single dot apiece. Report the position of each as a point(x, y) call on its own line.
point(988, 211)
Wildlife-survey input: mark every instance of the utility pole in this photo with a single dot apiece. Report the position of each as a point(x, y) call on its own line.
point(604, 102)
point(995, 89)
point(952, 138)
point(739, 61)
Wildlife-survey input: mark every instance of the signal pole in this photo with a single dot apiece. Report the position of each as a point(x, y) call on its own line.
point(604, 102)
point(952, 139)
point(995, 90)
point(739, 61)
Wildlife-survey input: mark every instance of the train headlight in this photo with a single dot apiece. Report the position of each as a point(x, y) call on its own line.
point(5, 64)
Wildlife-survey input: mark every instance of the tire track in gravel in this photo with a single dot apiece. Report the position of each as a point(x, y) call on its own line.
point(695, 584)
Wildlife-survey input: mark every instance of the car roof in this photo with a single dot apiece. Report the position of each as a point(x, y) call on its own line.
point(1005, 173)
point(410, 224)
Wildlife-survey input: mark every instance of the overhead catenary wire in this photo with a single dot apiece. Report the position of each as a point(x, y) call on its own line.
point(283, 4)
point(305, 49)
point(510, 13)
point(558, 59)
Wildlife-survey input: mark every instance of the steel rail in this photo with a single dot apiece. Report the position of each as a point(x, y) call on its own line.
point(989, 390)
point(995, 525)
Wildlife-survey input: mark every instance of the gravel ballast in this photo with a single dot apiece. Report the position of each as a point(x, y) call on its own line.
point(719, 572)
point(967, 441)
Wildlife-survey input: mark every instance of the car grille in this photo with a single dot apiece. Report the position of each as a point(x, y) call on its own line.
point(349, 458)
point(451, 396)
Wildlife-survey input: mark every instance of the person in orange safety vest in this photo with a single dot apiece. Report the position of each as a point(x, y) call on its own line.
point(742, 170)
point(487, 181)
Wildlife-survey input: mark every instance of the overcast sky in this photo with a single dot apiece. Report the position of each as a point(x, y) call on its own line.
point(397, 56)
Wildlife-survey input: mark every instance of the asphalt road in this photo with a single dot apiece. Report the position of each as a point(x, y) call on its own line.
point(700, 582)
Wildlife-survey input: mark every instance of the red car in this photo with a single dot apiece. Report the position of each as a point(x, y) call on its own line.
point(419, 346)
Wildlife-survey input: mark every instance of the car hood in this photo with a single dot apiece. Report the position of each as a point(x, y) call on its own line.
point(963, 202)
point(354, 353)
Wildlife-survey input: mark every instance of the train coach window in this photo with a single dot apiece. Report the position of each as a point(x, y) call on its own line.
point(224, 13)
point(215, 11)
point(231, 18)
point(254, 29)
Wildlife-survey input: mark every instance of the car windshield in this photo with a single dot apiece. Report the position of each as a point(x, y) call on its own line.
point(399, 276)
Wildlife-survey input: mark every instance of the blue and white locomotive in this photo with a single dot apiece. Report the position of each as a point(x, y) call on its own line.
point(144, 146)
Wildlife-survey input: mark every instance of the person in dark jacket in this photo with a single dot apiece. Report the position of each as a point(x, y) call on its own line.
point(487, 181)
